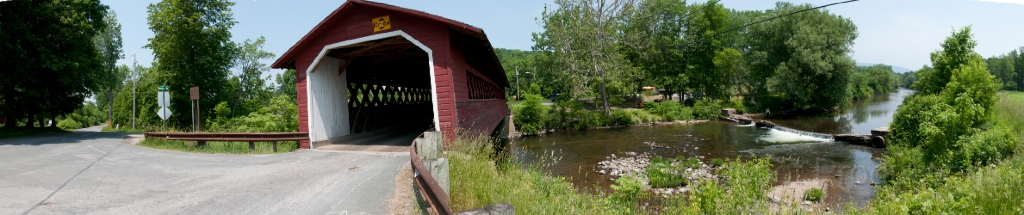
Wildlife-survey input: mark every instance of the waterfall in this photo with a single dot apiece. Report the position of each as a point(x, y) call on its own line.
point(782, 134)
point(804, 133)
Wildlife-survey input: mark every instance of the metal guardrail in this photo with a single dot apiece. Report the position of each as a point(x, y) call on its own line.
point(437, 198)
point(202, 137)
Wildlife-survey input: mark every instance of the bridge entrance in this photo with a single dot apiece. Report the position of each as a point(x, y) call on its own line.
point(371, 93)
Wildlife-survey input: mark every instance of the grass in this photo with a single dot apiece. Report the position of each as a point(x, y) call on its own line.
point(479, 180)
point(661, 173)
point(813, 194)
point(6, 133)
point(123, 129)
point(221, 147)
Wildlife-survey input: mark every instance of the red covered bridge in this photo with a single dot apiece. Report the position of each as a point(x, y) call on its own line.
point(373, 69)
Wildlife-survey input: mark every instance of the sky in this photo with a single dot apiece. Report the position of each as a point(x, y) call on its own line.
point(901, 33)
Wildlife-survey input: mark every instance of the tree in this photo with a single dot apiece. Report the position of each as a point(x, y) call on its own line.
point(800, 62)
point(935, 134)
point(703, 44)
point(108, 44)
point(651, 42)
point(286, 84)
point(956, 51)
point(191, 44)
point(250, 81)
point(581, 35)
point(50, 64)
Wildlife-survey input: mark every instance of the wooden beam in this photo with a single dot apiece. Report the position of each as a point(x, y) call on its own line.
point(371, 47)
point(345, 65)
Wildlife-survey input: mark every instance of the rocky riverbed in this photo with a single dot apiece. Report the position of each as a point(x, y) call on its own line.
point(632, 163)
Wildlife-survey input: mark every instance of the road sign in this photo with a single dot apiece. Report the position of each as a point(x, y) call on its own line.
point(381, 23)
point(164, 113)
point(194, 93)
point(164, 99)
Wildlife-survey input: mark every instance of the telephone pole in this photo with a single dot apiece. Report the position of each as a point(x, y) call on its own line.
point(518, 97)
point(135, 81)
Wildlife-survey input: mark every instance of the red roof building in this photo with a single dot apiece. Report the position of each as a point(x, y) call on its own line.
point(376, 68)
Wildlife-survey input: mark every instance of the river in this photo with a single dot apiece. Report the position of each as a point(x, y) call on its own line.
point(848, 169)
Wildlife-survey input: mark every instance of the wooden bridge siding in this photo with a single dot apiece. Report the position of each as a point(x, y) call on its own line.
point(330, 114)
point(475, 115)
point(357, 24)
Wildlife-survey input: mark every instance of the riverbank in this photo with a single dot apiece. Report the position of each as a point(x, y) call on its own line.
point(531, 117)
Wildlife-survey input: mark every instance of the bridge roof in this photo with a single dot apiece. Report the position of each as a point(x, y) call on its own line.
point(287, 60)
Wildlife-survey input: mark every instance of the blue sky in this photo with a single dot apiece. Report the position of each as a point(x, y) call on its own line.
point(900, 33)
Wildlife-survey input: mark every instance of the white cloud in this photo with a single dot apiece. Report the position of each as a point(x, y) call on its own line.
point(1020, 2)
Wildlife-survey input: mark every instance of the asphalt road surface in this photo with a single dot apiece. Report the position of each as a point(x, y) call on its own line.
point(89, 172)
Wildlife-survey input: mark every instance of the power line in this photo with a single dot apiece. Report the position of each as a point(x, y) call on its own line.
point(780, 16)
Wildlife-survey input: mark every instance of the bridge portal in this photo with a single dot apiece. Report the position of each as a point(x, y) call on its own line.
point(377, 73)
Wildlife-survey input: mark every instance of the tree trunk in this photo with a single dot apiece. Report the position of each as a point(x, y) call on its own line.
point(110, 108)
point(238, 97)
point(31, 122)
point(54, 118)
point(604, 98)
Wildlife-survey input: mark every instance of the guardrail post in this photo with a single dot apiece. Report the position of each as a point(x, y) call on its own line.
point(252, 146)
point(275, 146)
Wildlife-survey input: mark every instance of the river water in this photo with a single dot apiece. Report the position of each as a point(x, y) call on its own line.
point(848, 169)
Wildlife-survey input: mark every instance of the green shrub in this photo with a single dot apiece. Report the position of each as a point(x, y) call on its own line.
point(69, 124)
point(622, 117)
point(692, 163)
point(529, 114)
point(572, 115)
point(717, 162)
point(627, 189)
point(746, 187)
point(661, 174)
point(669, 110)
point(813, 194)
point(280, 115)
point(706, 110)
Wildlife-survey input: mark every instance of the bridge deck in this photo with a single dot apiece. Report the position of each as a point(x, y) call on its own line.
point(392, 139)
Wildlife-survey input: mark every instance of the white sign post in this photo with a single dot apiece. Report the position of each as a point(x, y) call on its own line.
point(164, 101)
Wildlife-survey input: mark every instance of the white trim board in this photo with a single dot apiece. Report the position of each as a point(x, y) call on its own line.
point(328, 48)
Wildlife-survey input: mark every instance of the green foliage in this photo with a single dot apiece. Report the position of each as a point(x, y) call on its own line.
point(483, 179)
point(706, 110)
point(88, 115)
point(221, 147)
point(692, 163)
point(813, 194)
point(801, 62)
point(669, 110)
point(280, 115)
point(939, 135)
point(623, 117)
point(191, 47)
point(572, 115)
point(529, 115)
point(627, 188)
point(1009, 69)
point(662, 173)
point(286, 84)
point(717, 162)
point(746, 187)
point(957, 51)
point(50, 62)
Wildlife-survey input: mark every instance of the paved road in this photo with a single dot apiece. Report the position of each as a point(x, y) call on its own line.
point(92, 172)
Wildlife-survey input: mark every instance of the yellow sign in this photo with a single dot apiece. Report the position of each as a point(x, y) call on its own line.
point(381, 24)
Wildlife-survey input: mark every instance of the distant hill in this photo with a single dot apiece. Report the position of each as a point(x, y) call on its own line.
point(894, 68)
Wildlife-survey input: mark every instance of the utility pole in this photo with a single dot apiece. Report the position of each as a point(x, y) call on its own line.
point(135, 81)
point(517, 84)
